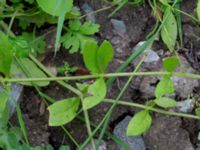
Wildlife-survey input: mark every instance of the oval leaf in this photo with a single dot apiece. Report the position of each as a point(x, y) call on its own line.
point(55, 7)
point(165, 102)
point(169, 29)
point(98, 92)
point(165, 86)
point(139, 124)
point(63, 111)
point(170, 63)
point(89, 56)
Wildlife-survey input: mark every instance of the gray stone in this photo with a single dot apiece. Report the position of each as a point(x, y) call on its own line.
point(14, 96)
point(102, 146)
point(184, 86)
point(88, 10)
point(185, 106)
point(166, 133)
point(151, 57)
point(135, 142)
point(138, 45)
point(119, 26)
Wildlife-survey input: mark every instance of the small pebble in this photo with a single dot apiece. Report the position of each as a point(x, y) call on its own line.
point(135, 142)
point(151, 57)
point(88, 10)
point(102, 146)
point(119, 26)
point(15, 95)
point(185, 106)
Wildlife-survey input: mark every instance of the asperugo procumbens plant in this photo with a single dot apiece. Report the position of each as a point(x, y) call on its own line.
point(141, 122)
point(96, 59)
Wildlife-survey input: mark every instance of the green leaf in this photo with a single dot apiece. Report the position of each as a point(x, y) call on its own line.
point(97, 59)
point(169, 29)
point(55, 7)
point(77, 35)
point(29, 43)
point(89, 28)
point(170, 63)
point(82, 87)
point(61, 20)
point(20, 47)
point(31, 68)
point(71, 42)
point(89, 56)
point(3, 99)
point(63, 111)
point(165, 102)
point(97, 91)
point(198, 10)
point(6, 54)
point(199, 136)
point(165, 86)
point(139, 124)
point(38, 19)
point(104, 56)
point(30, 1)
point(197, 111)
point(74, 25)
point(64, 147)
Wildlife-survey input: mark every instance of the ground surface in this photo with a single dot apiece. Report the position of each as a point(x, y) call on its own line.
point(166, 132)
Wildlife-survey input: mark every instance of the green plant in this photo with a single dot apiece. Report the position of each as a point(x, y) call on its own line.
point(78, 34)
point(18, 52)
point(64, 111)
point(142, 120)
point(66, 69)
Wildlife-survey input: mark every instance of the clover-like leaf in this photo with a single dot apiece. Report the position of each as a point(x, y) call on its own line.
point(97, 59)
point(78, 35)
point(89, 28)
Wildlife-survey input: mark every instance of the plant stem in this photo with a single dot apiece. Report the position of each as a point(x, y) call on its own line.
point(123, 74)
point(89, 130)
point(11, 22)
point(70, 136)
point(170, 113)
